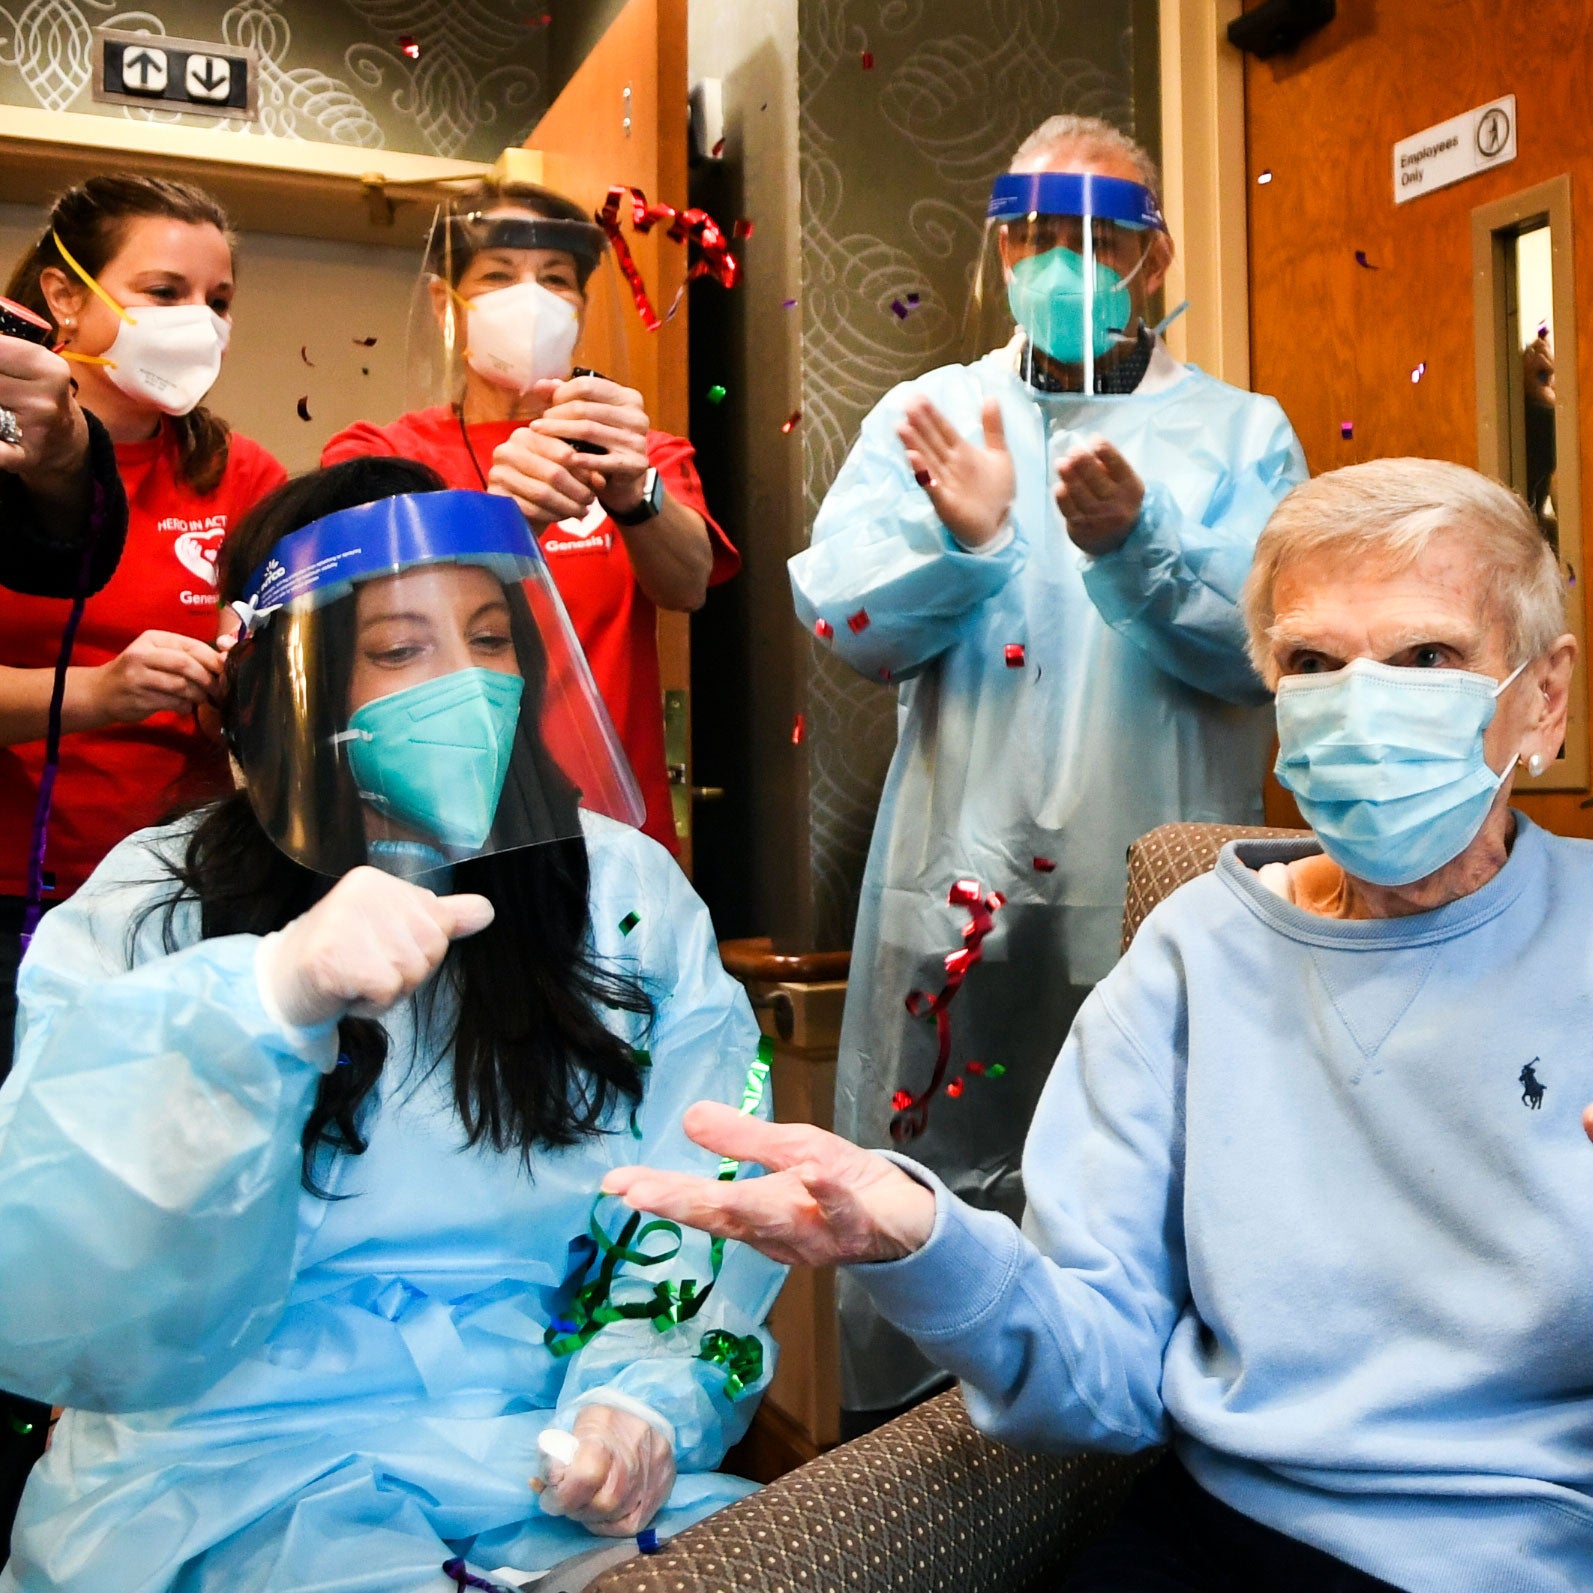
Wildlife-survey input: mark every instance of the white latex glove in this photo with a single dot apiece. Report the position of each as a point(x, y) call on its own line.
point(620, 1476)
point(365, 945)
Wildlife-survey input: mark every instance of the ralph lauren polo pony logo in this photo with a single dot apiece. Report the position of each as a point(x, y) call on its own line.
point(1532, 1090)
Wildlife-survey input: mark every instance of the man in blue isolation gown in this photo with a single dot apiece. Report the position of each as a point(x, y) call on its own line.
point(1043, 550)
point(296, 1358)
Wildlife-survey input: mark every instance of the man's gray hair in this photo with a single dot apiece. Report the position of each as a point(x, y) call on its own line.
point(1385, 513)
point(1091, 135)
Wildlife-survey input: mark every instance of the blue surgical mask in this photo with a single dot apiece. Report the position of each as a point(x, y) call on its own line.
point(1386, 764)
point(1046, 293)
point(434, 756)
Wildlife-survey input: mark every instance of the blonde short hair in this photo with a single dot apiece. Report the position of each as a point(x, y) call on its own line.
point(1093, 136)
point(1387, 511)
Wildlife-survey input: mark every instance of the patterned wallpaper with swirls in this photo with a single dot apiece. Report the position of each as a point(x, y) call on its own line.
point(896, 164)
point(333, 71)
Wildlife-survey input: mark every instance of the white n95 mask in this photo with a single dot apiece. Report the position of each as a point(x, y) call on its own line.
point(168, 355)
point(520, 335)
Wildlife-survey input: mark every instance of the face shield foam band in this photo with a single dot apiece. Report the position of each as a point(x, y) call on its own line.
point(328, 556)
point(583, 239)
point(1016, 196)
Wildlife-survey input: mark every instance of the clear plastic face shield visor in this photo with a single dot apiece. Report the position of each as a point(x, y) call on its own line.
point(508, 297)
point(407, 691)
point(1063, 275)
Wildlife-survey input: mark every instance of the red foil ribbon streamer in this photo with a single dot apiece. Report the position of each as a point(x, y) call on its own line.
point(713, 259)
point(912, 1119)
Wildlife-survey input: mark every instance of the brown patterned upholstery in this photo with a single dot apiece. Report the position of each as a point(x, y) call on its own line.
point(1173, 854)
point(922, 1505)
point(926, 1504)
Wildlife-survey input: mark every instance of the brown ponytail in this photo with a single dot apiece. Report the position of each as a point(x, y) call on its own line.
point(90, 220)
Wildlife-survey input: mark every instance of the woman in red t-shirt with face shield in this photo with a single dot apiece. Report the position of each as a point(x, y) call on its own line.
point(616, 505)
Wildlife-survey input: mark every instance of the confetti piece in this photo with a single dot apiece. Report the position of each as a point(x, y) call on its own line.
point(1420, 371)
point(365, 370)
point(976, 1068)
point(790, 304)
point(629, 922)
point(409, 47)
point(1015, 655)
point(898, 309)
point(789, 424)
point(799, 730)
point(823, 629)
point(997, 1069)
point(868, 60)
point(1543, 329)
point(857, 623)
point(365, 342)
point(923, 478)
point(304, 407)
point(741, 228)
point(716, 394)
point(304, 354)
point(647, 1540)
point(1044, 865)
point(718, 151)
point(1347, 429)
point(885, 675)
point(1361, 260)
point(900, 1101)
point(1264, 179)
point(912, 301)
point(954, 1089)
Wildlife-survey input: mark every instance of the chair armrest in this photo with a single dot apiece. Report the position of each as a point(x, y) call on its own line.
point(925, 1502)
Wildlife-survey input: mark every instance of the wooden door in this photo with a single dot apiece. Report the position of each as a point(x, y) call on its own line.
point(623, 119)
point(1362, 314)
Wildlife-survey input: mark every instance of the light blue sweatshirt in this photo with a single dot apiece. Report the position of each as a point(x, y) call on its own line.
point(1291, 1207)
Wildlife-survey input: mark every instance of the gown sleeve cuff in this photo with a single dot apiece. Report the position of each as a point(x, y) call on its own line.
point(314, 1044)
point(615, 1400)
point(956, 1279)
point(999, 543)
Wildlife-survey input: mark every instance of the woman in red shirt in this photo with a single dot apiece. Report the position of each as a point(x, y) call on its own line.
point(136, 275)
point(622, 520)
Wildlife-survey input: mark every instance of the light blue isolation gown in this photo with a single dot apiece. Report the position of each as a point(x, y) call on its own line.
point(1132, 703)
point(268, 1390)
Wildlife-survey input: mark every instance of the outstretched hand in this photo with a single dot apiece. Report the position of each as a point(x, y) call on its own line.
point(823, 1202)
point(970, 486)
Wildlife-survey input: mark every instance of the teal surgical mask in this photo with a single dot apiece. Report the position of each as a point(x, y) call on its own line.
point(434, 757)
point(1046, 293)
point(1387, 764)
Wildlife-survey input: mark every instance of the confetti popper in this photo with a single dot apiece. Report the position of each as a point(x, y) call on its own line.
point(799, 730)
point(1014, 654)
point(1361, 260)
point(696, 228)
point(911, 1120)
point(716, 394)
point(789, 424)
point(858, 623)
point(629, 922)
point(823, 629)
point(1044, 865)
point(1347, 429)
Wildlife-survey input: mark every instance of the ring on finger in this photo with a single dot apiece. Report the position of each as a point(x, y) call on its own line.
point(10, 427)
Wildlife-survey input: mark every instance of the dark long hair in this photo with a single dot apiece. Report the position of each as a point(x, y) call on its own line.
point(91, 220)
point(533, 1065)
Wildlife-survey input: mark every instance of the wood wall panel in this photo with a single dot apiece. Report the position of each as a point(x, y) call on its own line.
point(1334, 341)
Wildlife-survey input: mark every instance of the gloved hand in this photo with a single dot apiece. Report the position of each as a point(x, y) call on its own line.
point(621, 1474)
point(365, 945)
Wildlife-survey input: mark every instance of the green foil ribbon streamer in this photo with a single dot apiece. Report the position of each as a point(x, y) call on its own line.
point(593, 1307)
point(741, 1357)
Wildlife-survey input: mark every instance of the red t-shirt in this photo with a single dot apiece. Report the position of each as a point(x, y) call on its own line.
point(615, 620)
point(119, 779)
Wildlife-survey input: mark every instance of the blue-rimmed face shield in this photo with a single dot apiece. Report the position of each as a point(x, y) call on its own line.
point(408, 691)
point(1065, 274)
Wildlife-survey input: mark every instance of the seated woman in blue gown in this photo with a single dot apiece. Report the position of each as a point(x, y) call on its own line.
point(299, 1162)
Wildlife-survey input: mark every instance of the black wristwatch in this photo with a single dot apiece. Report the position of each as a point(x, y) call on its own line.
point(649, 508)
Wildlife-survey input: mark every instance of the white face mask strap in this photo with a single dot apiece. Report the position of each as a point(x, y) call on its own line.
point(1509, 679)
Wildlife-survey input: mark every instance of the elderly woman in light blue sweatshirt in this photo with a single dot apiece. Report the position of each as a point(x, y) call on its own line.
point(1309, 1194)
